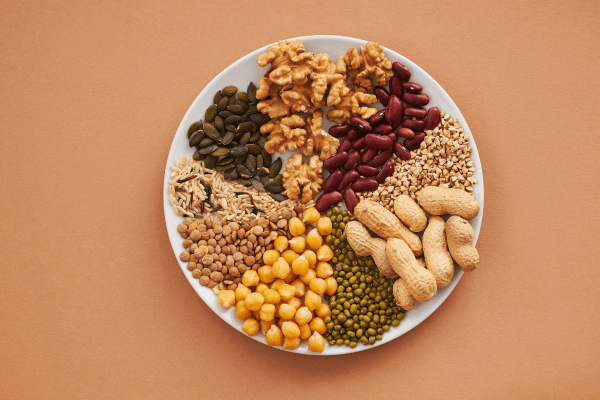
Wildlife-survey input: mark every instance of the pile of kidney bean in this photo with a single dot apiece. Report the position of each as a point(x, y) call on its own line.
point(362, 161)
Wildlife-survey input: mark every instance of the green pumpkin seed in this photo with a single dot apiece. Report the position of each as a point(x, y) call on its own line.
point(233, 143)
point(208, 149)
point(240, 159)
point(261, 141)
point(253, 110)
point(275, 168)
point(244, 118)
point(210, 162)
point(234, 175)
point(211, 131)
point(223, 103)
point(211, 113)
point(233, 119)
point(199, 156)
point(264, 179)
point(254, 137)
point(258, 185)
point(229, 91)
point(227, 138)
point(245, 139)
point(263, 171)
point(245, 181)
point(254, 149)
point(230, 127)
point(222, 168)
point(259, 161)
point(243, 97)
point(192, 129)
point(219, 124)
point(278, 178)
point(274, 187)
point(227, 174)
point(238, 151)
point(225, 161)
point(245, 127)
point(217, 98)
point(231, 101)
point(257, 118)
point(266, 158)
point(243, 171)
point(206, 142)
point(225, 114)
point(220, 152)
point(236, 109)
point(278, 197)
point(250, 162)
point(251, 92)
point(196, 138)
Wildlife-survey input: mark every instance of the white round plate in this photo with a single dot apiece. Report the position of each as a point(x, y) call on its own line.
point(246, 70)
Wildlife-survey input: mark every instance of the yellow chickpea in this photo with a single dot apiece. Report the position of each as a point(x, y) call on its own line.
point(324, 253)
point(311, 257)
point(241, 311)
point(300, 265)
point(266, 274)
point(303, 316)
point(318, 286)
point(295, 302)
point(308, 276)
point(280, 243)
point(254, 301)
point(250, 278)
point(314, 239)
point(274, 336)
point(304, 331)
point(241, 291)
point(296, 227)
point(261, 287)
point(289, 256)
point(316, 343)
point(291, 277)
point(226, 298)
point(323, 310)
point(290, 330)
point(287, 311)
point(318, 325)
point(310, 215)
point(298, 244)
point(332, 286)
point(291, 344)
point(277, 284)
point(250, 326)
point(267, 312)
point(324, 270)
point(299, 287)
point(311, 300)
point(271, 296)
point(324, 226)
point(286, 292)
point(266, 325)
point(270, 256)
point(280, 322)
point(280, 269)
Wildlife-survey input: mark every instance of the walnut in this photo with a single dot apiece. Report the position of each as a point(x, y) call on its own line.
point(290, 53)
point(302, 180)
point(371, 60)
point(351, 105)
point(317, 140)
point(328, 75)
point(286, 133)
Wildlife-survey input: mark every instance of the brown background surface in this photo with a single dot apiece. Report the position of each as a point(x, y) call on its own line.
point(92, 301)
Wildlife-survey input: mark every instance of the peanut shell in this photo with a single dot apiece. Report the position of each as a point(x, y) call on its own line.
point(440, 200)
point(435, 249)
point(419, 281)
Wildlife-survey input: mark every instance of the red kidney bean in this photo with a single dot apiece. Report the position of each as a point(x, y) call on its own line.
point(386, 170)
point(330, 184)
point(377, 118)
point(366, 170)
point(415, 99)
point(365, 185)
point(359, 144)
point(416, 112)
point(397, 123)
point(352, 160)
point(339, 130)
point(368, 155)
point(355, 134)
point(400, 70)
point(401, 152)
point(374, 141)
point(394, 108)
point(350, 199)
point(345, 146)
point(328, 200)
point(414, 143)
point(433, 118)
point(361, 123)
point(382, 157)
point(412, 87)
point(335, 161)
point(392, 136)
point(414, 124)
point(382, 95)
point(396, 86)
point(405, 133)
point(348, 177)
point(383, 129)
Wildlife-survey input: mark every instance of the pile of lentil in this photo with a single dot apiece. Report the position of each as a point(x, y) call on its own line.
point(363, 308)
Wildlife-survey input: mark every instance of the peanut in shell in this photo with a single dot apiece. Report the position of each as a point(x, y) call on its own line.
point(435, 249)
point(420, 282)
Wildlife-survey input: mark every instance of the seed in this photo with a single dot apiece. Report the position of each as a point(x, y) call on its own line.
point(223, 168)
point(251, 91)
point(229, 91)
point(266, 158)
point(223, 103)
point(250, 162)
point(211, 113)
point(208, 149)
point(258, 185)
point(225, 161)
point(279, 178)
point(252, 109)
point(245, 126)
point(210, 162)
point(225, 114)
point(274, 187)
point(240, 159)
point(198, 156)
point(238, 151)
point(196, 138)
point(193, 128)
point(254, 149)
point(219, 124)
point(220, 151)
point(245, 139)
point(227, 138)
point(231, 101)
point(211, 131)
point(259, 161)
point(278, 197)
point(217, 98)
point(230, 127)
point(263, 172)
point(245, 181)
point(243, 171)
point(234, 175)
point(206, 142)
point(275, 168)
point(254, 137)
point(233, 119)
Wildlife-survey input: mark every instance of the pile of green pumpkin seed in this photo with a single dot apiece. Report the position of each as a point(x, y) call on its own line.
point(228, 140)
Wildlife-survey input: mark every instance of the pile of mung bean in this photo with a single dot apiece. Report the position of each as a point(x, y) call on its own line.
point(363, 308)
